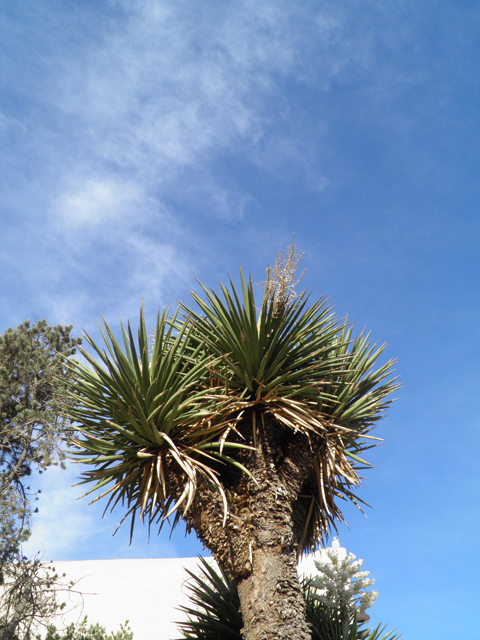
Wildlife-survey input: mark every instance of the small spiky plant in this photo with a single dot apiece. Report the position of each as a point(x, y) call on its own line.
point(246, 424)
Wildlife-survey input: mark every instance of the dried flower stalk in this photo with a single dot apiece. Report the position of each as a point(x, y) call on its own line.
point(279, 288)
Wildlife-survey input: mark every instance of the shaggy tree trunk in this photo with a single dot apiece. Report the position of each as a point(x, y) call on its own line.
point(257, 546)
point(271, 597)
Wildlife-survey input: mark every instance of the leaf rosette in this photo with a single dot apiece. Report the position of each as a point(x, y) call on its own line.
point(186, 404)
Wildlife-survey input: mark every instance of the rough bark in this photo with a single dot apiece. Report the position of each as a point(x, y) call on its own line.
point(271, 598)
point(257, 546)
point(272, 603)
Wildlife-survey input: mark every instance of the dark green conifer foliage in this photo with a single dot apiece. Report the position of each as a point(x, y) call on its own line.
point(33, 382)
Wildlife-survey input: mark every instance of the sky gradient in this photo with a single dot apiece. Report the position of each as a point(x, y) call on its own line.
point(144, 144)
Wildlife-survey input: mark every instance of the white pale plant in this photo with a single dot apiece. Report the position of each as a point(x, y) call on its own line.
point(341, 584)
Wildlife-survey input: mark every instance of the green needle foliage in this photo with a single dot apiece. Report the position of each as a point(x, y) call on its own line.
point(33, 383)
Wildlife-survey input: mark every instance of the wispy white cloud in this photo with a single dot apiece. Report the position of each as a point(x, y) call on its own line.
point(169, 88)
point(132, 118)
point(97, 201)
point(155, 265)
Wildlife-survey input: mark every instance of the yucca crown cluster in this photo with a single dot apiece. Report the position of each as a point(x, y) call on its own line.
point(184, 408)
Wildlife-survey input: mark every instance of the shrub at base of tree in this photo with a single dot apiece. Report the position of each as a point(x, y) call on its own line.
point(214, 613)
point(84, 631)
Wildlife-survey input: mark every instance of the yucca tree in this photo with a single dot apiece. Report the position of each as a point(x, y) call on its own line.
point(245, 420)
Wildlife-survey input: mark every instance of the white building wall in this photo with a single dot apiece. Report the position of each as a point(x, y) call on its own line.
point(145, 592)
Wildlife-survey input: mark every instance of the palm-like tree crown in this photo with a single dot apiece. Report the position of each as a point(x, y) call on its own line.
point(184, 408)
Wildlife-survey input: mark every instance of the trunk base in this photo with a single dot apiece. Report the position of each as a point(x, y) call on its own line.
point(271, 597)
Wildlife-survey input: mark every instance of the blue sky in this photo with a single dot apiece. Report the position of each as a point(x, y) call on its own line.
point(147, 143)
